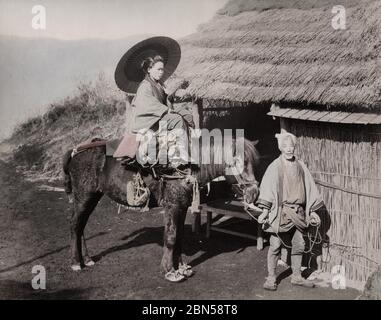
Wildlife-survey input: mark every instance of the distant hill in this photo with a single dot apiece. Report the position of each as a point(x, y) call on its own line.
point(37, 72)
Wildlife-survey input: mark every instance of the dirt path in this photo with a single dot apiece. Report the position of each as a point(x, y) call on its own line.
point(34, 230)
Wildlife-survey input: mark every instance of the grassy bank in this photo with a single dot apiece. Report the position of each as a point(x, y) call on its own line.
point(94, 110)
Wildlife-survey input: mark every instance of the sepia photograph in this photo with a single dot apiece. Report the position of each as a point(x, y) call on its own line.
point(189, 155)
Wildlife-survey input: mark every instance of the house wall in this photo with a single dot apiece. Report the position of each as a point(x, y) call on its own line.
point(345, 160)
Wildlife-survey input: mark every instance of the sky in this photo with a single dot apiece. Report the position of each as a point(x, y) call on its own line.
point(76, 20)
point(111, 19)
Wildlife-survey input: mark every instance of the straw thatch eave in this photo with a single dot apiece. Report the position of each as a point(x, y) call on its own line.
point(288, 55)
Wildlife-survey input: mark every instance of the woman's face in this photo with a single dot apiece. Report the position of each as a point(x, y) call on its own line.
point(157, 71)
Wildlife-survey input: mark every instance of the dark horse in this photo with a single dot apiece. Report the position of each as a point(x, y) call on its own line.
point(91, 174)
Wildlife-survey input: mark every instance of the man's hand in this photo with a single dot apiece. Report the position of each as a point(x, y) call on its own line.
point(263, 217)
point(314, 219)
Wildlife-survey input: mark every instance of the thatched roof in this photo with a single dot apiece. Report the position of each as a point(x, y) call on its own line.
point(287, 51)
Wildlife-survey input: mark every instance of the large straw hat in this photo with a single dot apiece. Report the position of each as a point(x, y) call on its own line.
point(129, 74)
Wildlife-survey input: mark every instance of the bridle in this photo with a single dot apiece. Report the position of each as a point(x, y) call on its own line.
point(244, 185)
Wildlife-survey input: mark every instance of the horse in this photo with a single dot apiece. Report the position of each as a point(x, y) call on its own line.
point(91, 174)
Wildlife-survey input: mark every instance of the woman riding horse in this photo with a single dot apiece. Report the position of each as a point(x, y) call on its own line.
point(152, 105)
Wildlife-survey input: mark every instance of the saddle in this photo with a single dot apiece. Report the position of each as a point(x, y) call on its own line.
point(138, 193)
point(127, 147)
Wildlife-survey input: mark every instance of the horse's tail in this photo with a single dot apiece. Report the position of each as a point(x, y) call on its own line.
point(67, 179)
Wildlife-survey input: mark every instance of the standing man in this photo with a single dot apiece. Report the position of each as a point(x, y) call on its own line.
point(289, 199)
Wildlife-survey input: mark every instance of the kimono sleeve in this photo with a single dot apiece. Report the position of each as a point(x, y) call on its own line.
point(267, 189)
point(312, 191)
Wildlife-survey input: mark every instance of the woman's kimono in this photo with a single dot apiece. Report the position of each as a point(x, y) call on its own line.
point(149, 105)
point(272, 190)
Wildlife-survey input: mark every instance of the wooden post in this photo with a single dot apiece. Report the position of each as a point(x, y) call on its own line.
point(208, 223)
point(200, 113)
point(259, 237)
point(196, 222)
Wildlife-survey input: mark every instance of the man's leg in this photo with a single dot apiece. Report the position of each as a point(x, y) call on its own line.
point(284, 257)
point(297, 251)
point(272, 260)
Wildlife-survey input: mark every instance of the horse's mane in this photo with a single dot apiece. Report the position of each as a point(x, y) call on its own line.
point(212, 170)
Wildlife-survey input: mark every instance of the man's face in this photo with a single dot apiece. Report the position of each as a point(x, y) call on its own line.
point(157, 71)
point(288, 149)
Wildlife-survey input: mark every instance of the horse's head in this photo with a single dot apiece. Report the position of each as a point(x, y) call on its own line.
point(244, 166)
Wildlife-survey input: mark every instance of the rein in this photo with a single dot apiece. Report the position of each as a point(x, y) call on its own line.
point(243, 185)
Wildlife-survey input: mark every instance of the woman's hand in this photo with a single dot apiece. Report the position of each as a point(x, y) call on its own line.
point(183, 85)
point(172, 92)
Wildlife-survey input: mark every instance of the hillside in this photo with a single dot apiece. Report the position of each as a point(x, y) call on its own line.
point(38, 144)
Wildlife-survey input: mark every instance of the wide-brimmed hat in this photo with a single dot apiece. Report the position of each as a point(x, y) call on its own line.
point(129, 74)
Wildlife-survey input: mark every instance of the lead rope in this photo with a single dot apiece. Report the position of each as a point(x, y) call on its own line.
point(313, 240)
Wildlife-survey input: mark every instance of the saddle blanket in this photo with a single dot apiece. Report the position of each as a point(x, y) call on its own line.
point(114, 148)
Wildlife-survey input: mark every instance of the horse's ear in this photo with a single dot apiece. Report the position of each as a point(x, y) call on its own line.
point(255, 142)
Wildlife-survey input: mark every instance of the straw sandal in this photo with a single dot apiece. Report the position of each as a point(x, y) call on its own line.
point(314, 275)
point(300, 281)
point(270, 284)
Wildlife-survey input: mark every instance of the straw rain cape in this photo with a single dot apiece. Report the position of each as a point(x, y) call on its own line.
point(270, 196)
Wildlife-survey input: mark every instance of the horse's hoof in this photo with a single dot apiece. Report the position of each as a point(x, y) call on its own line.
point(174, 276)
point(70, 198)
point(186, 270)
point(89, 263)
point(187, 273)
point(76, 267)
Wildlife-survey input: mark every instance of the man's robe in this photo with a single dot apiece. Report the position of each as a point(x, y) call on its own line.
point(271, 193)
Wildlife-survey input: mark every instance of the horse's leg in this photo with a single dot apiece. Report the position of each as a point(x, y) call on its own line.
point(177, 257)
point(183, 267)
point(75, 234)
point(82, 210)
point(171, 217)
point(86, 256)
point(177, 196)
